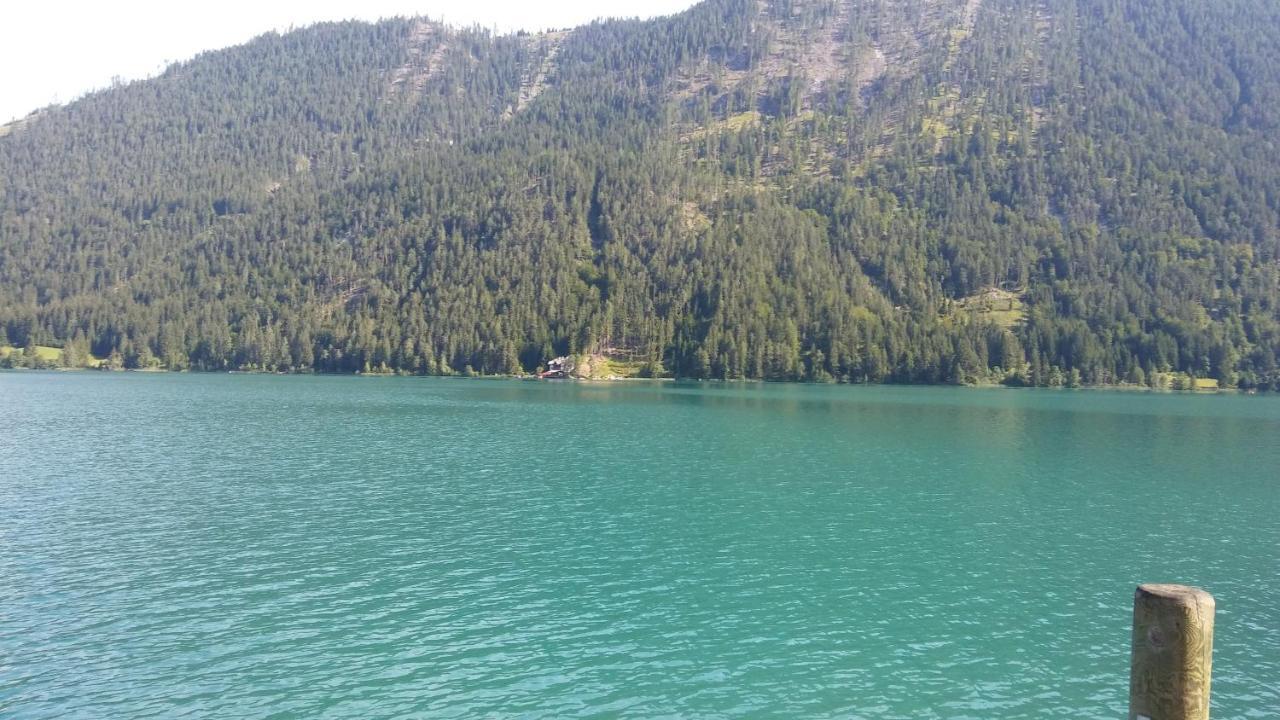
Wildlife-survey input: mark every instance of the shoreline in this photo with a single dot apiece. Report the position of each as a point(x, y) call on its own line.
point(1123, 388)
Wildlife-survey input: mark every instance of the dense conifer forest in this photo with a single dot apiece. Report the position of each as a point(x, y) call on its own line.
point(1038, 192)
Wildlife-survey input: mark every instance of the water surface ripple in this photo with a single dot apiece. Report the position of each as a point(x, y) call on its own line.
point(250, 547)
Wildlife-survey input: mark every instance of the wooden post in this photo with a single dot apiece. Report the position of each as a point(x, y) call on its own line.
point(1172, 653)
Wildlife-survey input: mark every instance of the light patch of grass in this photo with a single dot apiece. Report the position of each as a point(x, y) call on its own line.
point(740, 121)
point(694, 219)
point(733, 123)
point(48, 353)
point(1007, 319)
point(613, 366)
point(623, 368)
point(1001, 307)
point(44, 352)
point(957, 37)
point(1206, 384)
point(934, 127)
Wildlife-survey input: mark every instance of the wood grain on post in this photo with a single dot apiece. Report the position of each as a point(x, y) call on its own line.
point(1172, 653)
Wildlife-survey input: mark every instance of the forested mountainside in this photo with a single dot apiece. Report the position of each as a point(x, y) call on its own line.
point(1036, 192)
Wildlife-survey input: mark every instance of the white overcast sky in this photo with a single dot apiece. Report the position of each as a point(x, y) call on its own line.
point(57, 50)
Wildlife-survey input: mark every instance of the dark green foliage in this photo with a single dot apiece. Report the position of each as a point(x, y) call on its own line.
point(708, 191)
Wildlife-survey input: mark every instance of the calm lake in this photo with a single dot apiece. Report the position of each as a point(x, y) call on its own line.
point(220, 546)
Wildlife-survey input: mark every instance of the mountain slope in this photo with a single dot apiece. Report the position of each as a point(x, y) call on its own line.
point(862, 190)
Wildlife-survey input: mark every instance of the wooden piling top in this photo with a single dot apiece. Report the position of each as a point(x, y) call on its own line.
point(1184, 593)
point(1172, 653)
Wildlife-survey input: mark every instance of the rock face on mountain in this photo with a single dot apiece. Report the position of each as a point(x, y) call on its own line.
point(1032, 192)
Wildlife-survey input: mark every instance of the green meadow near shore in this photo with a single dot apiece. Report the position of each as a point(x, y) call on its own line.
point(46, 357)
point(42, 352)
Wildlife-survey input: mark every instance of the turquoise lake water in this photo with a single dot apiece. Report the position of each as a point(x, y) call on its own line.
point(215, 546)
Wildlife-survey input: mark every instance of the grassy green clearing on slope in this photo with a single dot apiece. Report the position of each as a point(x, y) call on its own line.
point(1000, 307)
point(44, 352)
point(48, 353)
point(619, 368)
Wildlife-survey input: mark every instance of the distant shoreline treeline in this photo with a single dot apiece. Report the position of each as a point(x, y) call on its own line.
point(47, 358)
